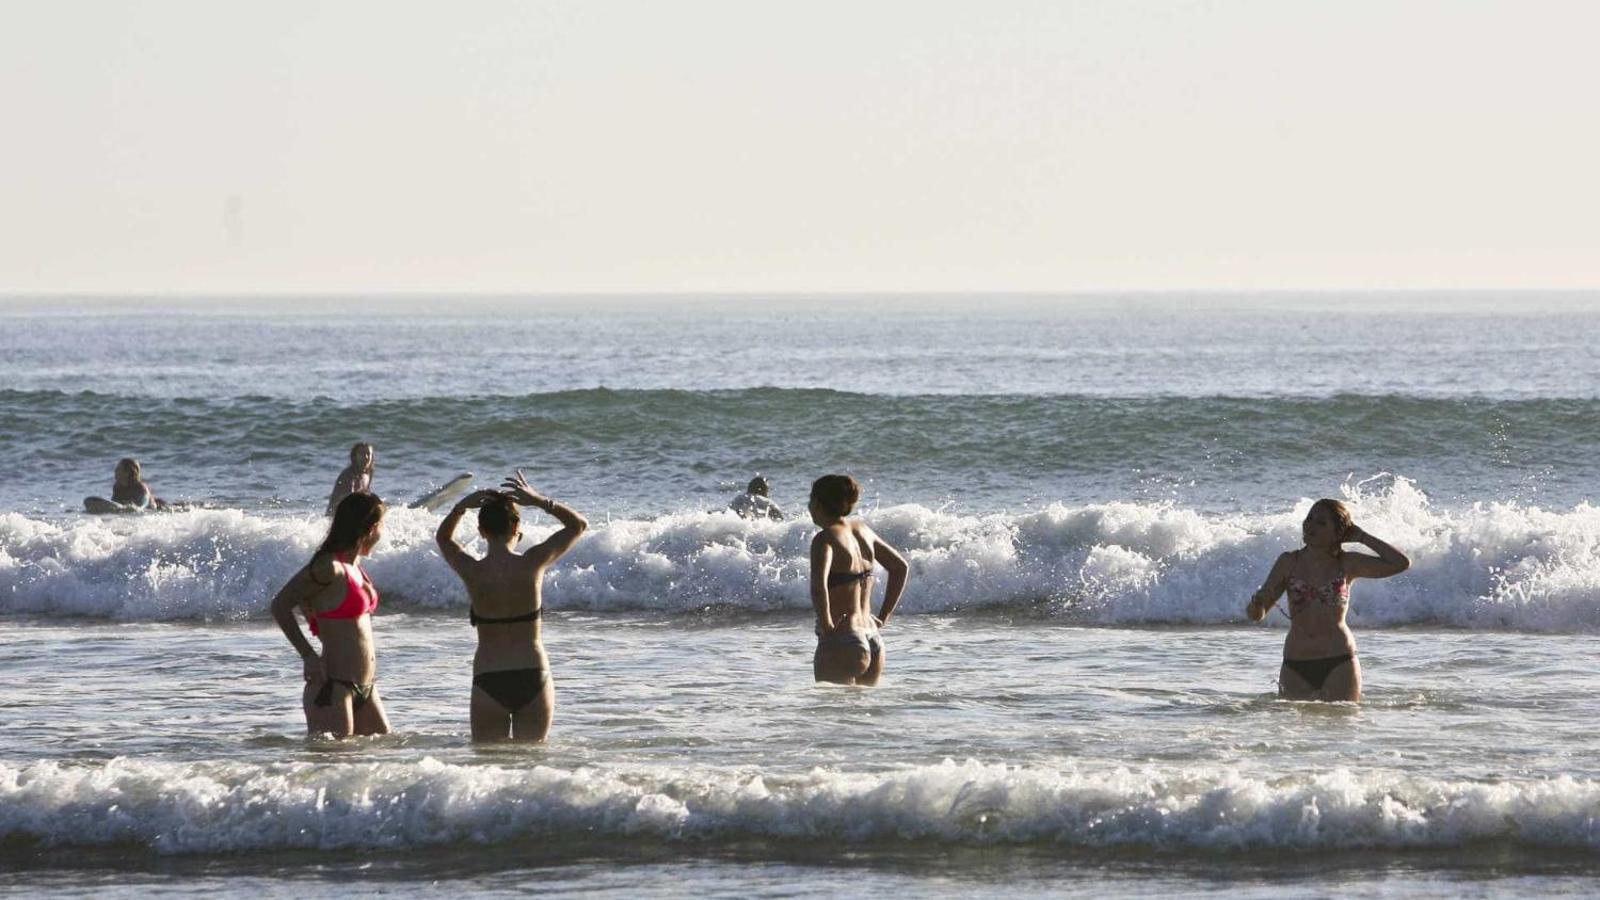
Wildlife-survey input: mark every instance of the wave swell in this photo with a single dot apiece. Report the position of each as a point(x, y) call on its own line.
point(1507, 565)
point(201, 808)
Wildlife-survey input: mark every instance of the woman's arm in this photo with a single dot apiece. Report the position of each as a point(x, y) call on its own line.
point(1277, 580)
point(899, 570)
point(821, 562)
point(573, 524)
point(445, 537)
point(1388, 562)
point(283, 606)
point(343, 486)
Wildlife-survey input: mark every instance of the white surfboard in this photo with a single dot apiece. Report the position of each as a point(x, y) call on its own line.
point(449, 493)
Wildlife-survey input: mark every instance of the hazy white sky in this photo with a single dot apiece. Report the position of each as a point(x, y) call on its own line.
point(746, 145)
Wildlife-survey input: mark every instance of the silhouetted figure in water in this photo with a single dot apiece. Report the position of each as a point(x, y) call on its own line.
point(754, 502)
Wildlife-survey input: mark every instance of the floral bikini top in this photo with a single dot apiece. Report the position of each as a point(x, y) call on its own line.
point(1334, 593)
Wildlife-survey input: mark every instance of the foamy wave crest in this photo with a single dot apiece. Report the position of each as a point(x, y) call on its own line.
point(229, 807)
point(1503, 565)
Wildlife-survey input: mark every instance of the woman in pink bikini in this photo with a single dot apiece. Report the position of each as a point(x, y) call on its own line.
point(1319, 656)
point(338, 598)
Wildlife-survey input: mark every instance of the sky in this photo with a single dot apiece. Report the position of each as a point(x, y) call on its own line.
point(171, 146)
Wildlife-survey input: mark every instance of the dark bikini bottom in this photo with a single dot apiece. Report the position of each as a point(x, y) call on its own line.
point(360, 694)
point(1316, 671)
point(512, 688)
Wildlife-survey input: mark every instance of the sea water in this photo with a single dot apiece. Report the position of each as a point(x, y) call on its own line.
point(1088, 490)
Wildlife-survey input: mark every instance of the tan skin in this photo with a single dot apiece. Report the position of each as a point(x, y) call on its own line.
point(1318, 630)
point(503, 584)
point(844, 546)
point(356, 477)
point(347, 648)
point(131, 491)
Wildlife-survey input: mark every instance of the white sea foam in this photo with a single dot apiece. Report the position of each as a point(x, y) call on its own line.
point(1502, 565)
point(197, 808)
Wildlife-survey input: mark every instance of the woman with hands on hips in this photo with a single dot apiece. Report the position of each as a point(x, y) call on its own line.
point(338, 598)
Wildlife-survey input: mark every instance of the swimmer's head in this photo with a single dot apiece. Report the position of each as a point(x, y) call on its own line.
point(1326, 524)
point(361, 456)
point(833, 497)
point(357, 524)
point(498, 518)
point(758, 485)
point(127, 470)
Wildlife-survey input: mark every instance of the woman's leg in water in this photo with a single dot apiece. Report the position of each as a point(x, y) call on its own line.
point(490, 721)
point(1292, 687)
point(875, 668)
point(319, 719)
point(531, 723)
point(1344, 683)
point(370, 718)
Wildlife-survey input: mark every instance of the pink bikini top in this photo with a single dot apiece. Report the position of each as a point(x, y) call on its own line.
point(360, 597)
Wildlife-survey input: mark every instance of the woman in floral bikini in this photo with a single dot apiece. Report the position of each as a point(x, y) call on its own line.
point(1319, 655)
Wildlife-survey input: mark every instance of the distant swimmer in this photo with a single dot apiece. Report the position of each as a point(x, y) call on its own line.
point(512, 695)
point(1319, 655)
point(356, 477)
point(129, 490)
point(754, 502)
point(338, 598)
point(849, 646)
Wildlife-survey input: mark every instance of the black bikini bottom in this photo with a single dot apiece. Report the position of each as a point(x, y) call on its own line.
point(1316, 671)
point(360, 694)
point(512, 688)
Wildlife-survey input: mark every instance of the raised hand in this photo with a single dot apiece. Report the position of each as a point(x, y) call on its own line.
point(519, 489)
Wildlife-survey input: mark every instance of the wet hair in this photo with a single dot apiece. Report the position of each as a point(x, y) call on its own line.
point(758, 485)
point(130, 464)
point(836, 494)
point(357, 448)
point(1337, 511)
point(353, 519)
point(498, 517)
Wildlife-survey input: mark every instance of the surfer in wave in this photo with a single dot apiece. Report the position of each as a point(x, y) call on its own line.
point(1319, 655)
point(843, 555)
point(129, 491)
point(754, 502)
point(512, 695)
point(338, 598)
point(356, 477)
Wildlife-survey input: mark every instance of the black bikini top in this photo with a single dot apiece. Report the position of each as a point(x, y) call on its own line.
point(840, 579)
point(476, 620)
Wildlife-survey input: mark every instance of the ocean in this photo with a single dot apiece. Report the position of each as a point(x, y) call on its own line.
point(1088, 489)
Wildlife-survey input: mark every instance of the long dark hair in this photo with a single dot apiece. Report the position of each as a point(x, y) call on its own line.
point(354, 519)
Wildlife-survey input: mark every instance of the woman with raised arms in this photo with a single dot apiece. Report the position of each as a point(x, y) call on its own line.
point(1319, 655)
point(338, 598)
point(843, 554)
point(512, 696)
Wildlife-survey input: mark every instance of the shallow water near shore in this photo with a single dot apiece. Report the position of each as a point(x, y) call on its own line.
point(1073, 705)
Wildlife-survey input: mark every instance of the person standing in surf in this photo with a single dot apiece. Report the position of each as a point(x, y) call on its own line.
point(356, 477)
point(338, 598)
point(843, 554)
point(1319, 654)
point(512, 694)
